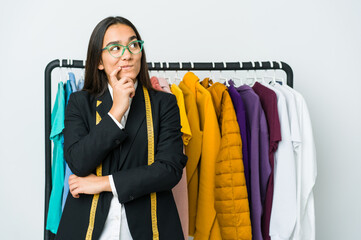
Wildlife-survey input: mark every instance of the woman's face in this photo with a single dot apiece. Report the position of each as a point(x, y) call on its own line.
point(130, 63)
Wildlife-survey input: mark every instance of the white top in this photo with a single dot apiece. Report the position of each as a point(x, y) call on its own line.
point(283, 214)
point(116, 225)
point(306, 173)
point(292, 117)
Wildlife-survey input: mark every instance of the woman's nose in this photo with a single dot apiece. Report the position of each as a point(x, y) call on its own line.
point(126, 55)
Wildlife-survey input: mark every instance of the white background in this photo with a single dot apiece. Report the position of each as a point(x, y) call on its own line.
point(320, 40)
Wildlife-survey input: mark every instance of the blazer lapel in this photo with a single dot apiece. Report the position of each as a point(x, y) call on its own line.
point(135, 119)
point(103, 105)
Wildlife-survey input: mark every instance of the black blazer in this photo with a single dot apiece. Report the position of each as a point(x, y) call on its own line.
point(86, 145)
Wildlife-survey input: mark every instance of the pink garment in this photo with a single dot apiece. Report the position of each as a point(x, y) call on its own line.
point(155, 83)
point(164, 85)
point(180, 191)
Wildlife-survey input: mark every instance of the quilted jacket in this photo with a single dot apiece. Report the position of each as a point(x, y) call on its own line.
point(231, 198)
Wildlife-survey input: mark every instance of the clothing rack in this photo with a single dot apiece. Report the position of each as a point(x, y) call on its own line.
point(153, 66)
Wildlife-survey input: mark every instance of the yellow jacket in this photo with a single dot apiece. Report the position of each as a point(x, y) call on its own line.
point(180, 191)
point(193, 151)
point(231, 200)
point(206, 223)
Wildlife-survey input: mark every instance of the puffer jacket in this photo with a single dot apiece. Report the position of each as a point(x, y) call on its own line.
point(231, 198)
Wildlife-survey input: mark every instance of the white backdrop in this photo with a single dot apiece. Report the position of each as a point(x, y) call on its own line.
point(321, 40)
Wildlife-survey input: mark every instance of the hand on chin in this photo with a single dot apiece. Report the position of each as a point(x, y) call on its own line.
point(126, 74)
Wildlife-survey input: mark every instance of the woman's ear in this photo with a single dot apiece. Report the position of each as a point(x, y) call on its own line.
point(101, 66)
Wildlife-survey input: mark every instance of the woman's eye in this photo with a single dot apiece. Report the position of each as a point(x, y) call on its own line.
point(134, 45)
point(114, 48)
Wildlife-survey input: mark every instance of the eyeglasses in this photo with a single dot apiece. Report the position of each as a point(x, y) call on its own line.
point(117, 50)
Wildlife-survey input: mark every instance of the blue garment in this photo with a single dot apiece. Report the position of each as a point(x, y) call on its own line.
point(69, 90)
point(80, 84)
point(68, 172)
point(72, 82)
point(56, 135)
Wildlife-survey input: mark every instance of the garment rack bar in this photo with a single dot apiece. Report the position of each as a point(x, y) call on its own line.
point(153, 66)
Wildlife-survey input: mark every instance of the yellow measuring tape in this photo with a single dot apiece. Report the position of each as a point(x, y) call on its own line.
point(153, 196)
point(93, 207)
point(150, 133)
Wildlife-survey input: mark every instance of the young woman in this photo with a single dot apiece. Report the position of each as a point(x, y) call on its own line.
point(122, 141)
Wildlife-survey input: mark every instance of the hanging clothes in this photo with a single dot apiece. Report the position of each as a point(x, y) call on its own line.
point(292, 117)
point(193, 151)
point(71, 87)
point(155, 83)
point(56, 135)
point(283, 214)
point(306, 172)
point(231, 200)
point(180, 191)
point(260, 168)
point(186, 129)
point(243, 126)
point(268, 100)
point(164, 85)
point(72, 82)
point(80, 84)
point(206, 226)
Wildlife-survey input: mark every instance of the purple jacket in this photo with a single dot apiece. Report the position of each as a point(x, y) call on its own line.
point(245, 134)
point(258, 145)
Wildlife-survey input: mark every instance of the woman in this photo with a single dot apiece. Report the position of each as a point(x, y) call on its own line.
point(116, 193)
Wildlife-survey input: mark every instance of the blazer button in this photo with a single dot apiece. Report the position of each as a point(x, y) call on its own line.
point(117, 141)
point(131, 197)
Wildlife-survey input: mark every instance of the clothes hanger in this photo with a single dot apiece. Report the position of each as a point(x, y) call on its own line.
point(177, 79)
point(235, 78)
point(280, 80)
point(210, 74)
point(167, 78)
point(67, 69)
point(250, 80)
point(272, 78)
point(221, 78)
point(259, 79)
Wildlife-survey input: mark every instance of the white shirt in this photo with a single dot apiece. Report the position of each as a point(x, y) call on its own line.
point(283, 214)
point(116, 225)
point(306, 173)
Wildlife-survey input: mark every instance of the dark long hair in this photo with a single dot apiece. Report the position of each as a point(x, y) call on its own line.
point(96, 81)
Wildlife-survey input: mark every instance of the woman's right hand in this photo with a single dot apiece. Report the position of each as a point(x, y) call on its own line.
point(122, 90)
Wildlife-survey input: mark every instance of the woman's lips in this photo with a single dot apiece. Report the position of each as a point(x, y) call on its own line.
point(125, 67)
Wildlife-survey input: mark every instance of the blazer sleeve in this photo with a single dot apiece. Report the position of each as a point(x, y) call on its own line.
point(84, 148)
point(169, 160)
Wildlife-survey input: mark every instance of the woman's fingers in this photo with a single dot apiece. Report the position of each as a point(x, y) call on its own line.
point(113, 76)
point(73, 185)
point(74, 190)
point(84, 185)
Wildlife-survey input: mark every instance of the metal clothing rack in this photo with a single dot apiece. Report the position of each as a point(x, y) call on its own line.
point(161, 66)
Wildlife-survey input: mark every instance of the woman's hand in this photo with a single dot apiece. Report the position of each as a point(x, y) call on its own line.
point(122, 90)
point(90, 184)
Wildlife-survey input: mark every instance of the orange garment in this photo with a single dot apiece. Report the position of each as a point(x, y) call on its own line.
point(231, 199)
point(180, 191)
point(193, 151)
point(206, 225)
point(186, 129)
